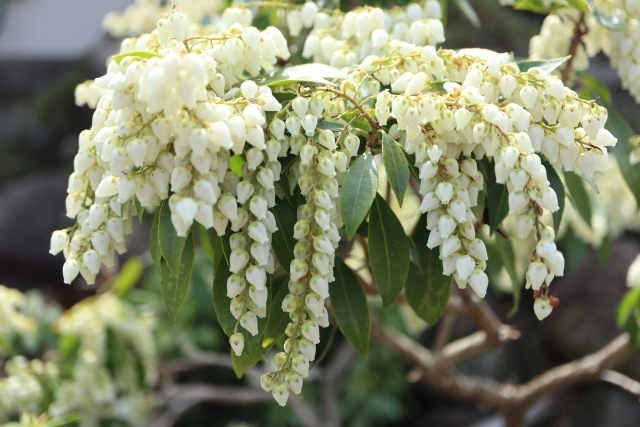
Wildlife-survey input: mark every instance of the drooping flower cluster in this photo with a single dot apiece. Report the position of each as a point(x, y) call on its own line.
point(94, 390)
point(21, 390)
point(12, 317)
point(178, 103)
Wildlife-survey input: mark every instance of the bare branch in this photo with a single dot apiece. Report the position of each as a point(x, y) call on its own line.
point(622, 381)
point(333, 372)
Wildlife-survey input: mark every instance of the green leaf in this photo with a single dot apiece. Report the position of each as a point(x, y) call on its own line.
point(283, 241)
point(226, 246)
point(207, 241)
point(62, 421)
point(498, 204)
point(619, 127)
point(68, 345)
point(278, 319)
point(536, 6)
point(427, 289)
point(579, 195)
point(171, 245)
point(141, 55)
point(154, 241)
point(176, 286)
point(139, 209)
point(633, 328)
point(389, 251)
point(350, 308)
point(509, 261)
point(595, 87)
point(306, 73)
point(358, 192)
point(129, 275)
point(220, 300)
point(556, 183)
point(548, 65)
point(467, 10)
point(630, 302)
point(359, 123)
point(235, 164)
point(611, 22)
point(412, 167)
point(396, 165)
point(326, 125)
point(580, 5)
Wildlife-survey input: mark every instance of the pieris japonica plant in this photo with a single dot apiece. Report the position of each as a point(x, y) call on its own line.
point(272, 167)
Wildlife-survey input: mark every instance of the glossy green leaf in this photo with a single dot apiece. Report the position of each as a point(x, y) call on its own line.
point(389, 251)
point(580, 5)
point(619, 127)
point(326, 125)
point(171, 245)
point(556, 183)
point(129, 275)
point(358, 123)
point(154, 240)
point(467, 10)
point(226, 245)
point(207, 241)
point(306, 73)
point(611, 22)
point(629, 303)
point(350, 308)
point(358, 192)
point(139, 209)
point(509, 261)
point(176, 285)
point(579, 195)
point(412, 167)
point(138, 54)
point(396, 166)
point(278, 319)
point(235, 164)
point(427, 289)
point(498, 204)
point(535, 6)
point(221, 303)
point(548, 65)
point(283, 241)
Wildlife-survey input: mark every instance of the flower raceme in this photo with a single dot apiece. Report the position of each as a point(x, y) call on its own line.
point(176, 104)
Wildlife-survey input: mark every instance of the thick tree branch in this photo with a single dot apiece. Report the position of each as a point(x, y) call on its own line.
point(505, 397)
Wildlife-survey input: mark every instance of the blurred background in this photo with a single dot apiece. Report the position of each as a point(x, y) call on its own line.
point(47, 47)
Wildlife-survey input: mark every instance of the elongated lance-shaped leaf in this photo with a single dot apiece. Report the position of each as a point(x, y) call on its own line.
point(176, 286)
point(283, 241)
point(207, 241)
point(154, 238)
point(579, 195)
point(556, 183)
point(389, 251)
point(358, 191)
point(396, 166)
point(548, 65)
point(350, 308)
point(171, 245)
point(427, 289)
point(278, 319)
point(618, 126)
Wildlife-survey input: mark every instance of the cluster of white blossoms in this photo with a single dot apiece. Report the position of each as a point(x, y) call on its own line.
point(13, 320)
point(177, 103)
point(21, 390)
point(164, 123)
point(318, 170)
point(95, 391)
point(621, 44)
point(143, 15)
point(467, 119)
point(346, 39)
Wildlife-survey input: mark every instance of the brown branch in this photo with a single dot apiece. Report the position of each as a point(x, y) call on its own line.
point(505, 397)
point(333, 372)
point(622, 381)
point(579, 32)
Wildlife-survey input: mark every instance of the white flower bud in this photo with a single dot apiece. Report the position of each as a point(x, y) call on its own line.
point(605, 139)
point(59, 241)
point(430, 202)
point(249, 321)
point(479, 282)
point(108, 187)
point(548, 199)
point(237, 343)
point(280, 392)
point(518, 201)
point(450, 246)
point(259, 296)
point(465, 266)
point(178, 23)
point(70, 270)
point(542, 307)
point(536, 274)
point(309, 123)
point(444, 191)
point(311, 331)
